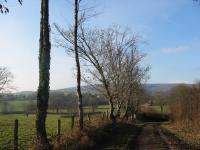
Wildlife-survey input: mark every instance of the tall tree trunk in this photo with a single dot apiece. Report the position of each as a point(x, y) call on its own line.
point(76, 9)
point(44, 67)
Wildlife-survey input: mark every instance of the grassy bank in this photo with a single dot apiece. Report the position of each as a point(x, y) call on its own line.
point(185, 133)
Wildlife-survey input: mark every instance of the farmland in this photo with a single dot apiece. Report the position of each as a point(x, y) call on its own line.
point(27, 129)
point(27, 125)
point(20, 105)
point(154, 108)
point(16, 105)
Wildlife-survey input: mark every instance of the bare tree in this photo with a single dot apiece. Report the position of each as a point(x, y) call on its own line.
point(107, 54)
point(6, 77)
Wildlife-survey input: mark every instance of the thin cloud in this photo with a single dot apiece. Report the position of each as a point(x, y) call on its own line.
point(175, 49)
point(179, 82)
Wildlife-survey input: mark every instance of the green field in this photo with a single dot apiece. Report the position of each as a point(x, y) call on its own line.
point(27, 129)
point(158, 108)
point(155, 108)
point(16, 105)
point(20, 105)
point(27, 125)
point(100, 108)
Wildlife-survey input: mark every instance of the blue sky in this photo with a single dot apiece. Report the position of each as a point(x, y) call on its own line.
point(170, 29)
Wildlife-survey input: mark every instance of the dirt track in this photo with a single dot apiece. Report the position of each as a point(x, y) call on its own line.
point(142, 137)
point(130, 137)
point(149, 138)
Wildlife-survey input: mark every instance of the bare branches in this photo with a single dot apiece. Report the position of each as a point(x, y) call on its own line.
point(4, 9)
point(6, 78)
point(115, 63)
point(184, 105)
point(115, 60)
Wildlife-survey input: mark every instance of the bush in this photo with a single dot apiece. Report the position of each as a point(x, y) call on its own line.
point(185, 105)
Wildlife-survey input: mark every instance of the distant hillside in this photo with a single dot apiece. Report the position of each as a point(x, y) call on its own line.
point(152, 88)
point(148, 87)
point(25, 93)
point(84, 89)
point(88, 89)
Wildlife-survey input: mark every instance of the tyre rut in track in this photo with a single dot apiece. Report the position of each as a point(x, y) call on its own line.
point(150, 139)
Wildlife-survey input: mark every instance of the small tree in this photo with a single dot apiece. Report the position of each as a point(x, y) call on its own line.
point(113, 60)
point(6, 78)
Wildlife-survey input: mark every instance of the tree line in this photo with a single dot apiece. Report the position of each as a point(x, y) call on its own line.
point(58, 101)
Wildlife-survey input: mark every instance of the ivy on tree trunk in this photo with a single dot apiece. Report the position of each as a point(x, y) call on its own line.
point(44, 67)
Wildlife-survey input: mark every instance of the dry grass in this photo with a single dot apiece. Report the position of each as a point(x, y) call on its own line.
point(86, 139)
point(185, 132)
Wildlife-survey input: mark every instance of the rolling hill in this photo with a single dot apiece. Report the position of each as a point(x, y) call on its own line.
point(151, 88)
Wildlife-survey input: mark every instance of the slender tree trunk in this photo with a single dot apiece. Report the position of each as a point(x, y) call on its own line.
point(126, 112)
point(112, 117)
point(106, 86)
point(44, 67)
point(76, 7)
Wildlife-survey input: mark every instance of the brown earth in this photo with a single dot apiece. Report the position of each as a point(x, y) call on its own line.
point(149, 139)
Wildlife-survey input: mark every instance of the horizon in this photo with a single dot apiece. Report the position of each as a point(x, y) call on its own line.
point(89, 85)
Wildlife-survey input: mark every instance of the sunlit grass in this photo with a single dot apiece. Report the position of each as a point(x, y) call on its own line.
point(154, 108)
point(27, 132)
point(20, 105)
point(186, 133)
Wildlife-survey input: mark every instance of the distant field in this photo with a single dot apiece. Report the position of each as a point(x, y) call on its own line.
point(100, 108)
point(20, 105)
point(16, 105)
point(155, 108)
point(158, 108)
point(27, 129)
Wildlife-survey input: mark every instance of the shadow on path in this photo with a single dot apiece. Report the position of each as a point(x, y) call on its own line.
point(149, 138)
point(135, 137)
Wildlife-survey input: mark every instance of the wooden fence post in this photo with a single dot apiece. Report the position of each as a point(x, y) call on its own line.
point(103, 115)
point(72, 122)
point(15, 146)
point(107, 115)
point(58, 131)
point(88, 116)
